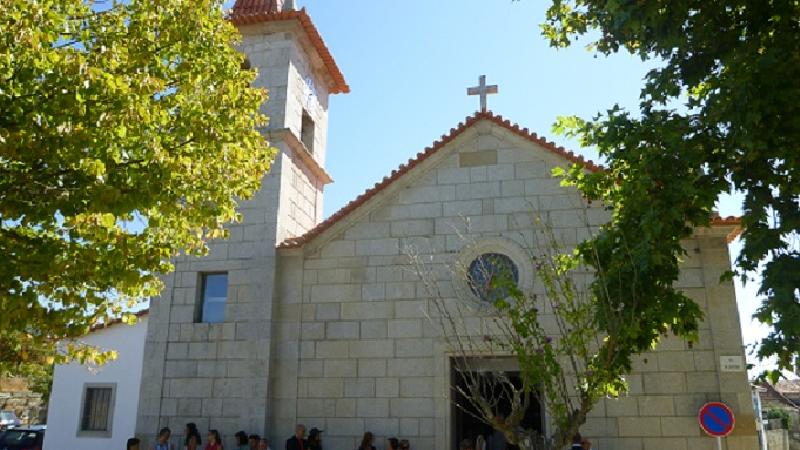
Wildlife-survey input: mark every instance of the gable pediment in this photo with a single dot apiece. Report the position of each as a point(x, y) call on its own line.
point(484, 140)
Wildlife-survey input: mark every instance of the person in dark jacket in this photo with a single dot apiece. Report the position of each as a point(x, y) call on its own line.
point(192, 439)
point(367, 441)
point(298, 441)
point(241, 440)
point(577, 442)
point(315, 439)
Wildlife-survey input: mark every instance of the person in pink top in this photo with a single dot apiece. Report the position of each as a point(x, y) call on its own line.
point(214, 441)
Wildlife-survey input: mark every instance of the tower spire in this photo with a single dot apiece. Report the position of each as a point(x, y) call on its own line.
point(262, 6)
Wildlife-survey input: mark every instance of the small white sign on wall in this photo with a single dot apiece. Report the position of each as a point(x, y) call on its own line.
point(731, 363)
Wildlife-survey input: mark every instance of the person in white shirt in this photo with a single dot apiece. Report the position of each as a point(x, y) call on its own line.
point(263, 444)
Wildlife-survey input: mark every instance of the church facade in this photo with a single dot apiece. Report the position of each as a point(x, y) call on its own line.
point(299, 320)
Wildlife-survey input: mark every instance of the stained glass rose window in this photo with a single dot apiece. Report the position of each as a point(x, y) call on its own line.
point(488, 276)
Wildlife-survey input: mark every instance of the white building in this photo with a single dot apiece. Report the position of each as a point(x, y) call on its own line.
point(94, 408)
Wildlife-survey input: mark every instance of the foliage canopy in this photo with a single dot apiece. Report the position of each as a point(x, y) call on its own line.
point(127, 134)
point(721, 114)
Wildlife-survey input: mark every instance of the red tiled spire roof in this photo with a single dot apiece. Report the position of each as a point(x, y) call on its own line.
point(730, 220)
point(257, 6)
point(246, 12)
point(422, 156)
point(734, 221)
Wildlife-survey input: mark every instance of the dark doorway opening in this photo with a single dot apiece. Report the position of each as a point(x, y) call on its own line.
point(466, 423)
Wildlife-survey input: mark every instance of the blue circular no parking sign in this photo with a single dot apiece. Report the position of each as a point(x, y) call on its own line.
point(716, 419)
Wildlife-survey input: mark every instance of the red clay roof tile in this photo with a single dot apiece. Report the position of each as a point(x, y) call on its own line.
point(257, 6)
point(730, 220)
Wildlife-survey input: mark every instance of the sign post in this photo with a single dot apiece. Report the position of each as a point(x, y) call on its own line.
point(717, 420)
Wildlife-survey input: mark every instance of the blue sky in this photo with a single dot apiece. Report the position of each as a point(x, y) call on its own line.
point(409, 63)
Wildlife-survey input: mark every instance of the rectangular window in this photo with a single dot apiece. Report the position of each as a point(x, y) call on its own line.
point(97, 409)
point(307, 132)
point(213, 296)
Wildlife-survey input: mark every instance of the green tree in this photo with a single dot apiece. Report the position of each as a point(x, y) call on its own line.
point(127, 134)
point(777, 413)
point(721, 113)
point(567, 358)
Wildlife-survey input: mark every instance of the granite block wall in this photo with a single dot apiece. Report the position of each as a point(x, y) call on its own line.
point(370, 359)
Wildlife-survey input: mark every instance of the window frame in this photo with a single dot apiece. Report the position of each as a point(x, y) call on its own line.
point(200, 301)
point(108, 432)
point(483, 245)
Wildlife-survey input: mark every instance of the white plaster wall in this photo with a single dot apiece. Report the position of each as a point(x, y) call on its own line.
point(64, 411)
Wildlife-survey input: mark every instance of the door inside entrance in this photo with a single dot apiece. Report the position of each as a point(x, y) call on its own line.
point(467, 424)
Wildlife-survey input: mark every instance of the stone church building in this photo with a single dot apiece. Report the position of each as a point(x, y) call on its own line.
point(296, 319)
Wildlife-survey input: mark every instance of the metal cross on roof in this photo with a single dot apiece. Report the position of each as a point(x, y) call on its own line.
point(483, 90)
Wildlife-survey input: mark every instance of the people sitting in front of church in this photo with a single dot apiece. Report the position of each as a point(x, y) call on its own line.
point(242, 442)
point(214, 441)
point(315, 439)
point(163, 440)
point(298, 441)
point(392, 444)
point(252, 442)
point(367, 441)
point(192, 440)
point(132, 444)
point(263, 444)
point(404, 444)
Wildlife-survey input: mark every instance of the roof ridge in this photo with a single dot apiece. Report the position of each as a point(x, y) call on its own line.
point(781, 397)
point(298, 241)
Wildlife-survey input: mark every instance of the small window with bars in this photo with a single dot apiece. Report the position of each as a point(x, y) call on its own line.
point(97, 409)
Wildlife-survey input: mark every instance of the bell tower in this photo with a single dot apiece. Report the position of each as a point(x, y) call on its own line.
point(298, 70)
point(210, 342)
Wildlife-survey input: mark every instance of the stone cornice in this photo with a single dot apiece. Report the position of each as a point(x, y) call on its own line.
point(299, 151)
